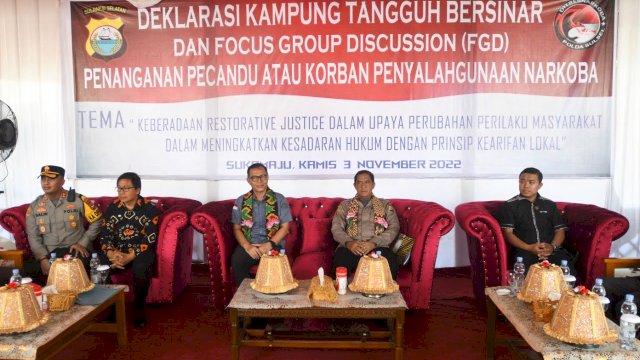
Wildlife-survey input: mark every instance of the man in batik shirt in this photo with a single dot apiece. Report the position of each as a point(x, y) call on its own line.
point(129, 238)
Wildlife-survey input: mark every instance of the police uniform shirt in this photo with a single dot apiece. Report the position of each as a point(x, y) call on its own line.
point(58, 224)
point(532, 222)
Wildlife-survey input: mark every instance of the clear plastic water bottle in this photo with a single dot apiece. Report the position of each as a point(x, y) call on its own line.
point(628, 323)
point(599, 290)
point(568, 278)
point(519, 270)
point(52, 258)
point(564, 266)
point(93, 264)
point(16, 277)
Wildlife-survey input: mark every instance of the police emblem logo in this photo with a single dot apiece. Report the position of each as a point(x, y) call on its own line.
point(43, 229)
point(74, 224)
point(41, 221)
point(41, 203)
point(71, 217)
point(70, 206)
point(580, 24)
point(41, 210)
point(106, 40)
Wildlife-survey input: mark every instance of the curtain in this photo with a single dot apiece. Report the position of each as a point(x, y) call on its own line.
point(30, 83)
point(625, 196)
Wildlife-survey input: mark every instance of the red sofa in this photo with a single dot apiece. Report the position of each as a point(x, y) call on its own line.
point(174, 246)
point(592, 229)
point(310, 244)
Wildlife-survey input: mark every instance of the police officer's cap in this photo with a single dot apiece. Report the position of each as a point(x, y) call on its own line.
point(51, 171)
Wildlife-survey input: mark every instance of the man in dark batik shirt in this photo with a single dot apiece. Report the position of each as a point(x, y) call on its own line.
point(129, 237)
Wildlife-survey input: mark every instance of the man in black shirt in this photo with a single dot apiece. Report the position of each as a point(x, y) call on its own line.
point(532, 224)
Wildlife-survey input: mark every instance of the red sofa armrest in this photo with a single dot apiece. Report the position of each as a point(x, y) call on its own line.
point(426, 222)
point(14, 221)
point(592, 229)
point(213, 220)
point(488, 252)
point(173, 249)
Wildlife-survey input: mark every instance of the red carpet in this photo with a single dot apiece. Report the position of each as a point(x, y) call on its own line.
point(453, 328)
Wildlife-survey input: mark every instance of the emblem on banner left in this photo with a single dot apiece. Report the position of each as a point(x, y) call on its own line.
point(106, 40)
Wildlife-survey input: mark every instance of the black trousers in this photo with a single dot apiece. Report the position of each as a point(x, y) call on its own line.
point(344, 257)
point(141, 267)
point(241, 264)
point(616, 289)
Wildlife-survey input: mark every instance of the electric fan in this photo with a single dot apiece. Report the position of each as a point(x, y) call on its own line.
point(8, 131)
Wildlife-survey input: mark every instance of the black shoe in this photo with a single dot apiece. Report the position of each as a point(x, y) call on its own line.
point(139, 320)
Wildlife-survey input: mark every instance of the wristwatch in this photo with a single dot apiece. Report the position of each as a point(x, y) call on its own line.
point(274, 246)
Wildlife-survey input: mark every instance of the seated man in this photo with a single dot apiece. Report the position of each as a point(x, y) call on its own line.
point(532, 224)
point(260, 222)
point(55, 221)
point(129, 238)
point(364, 224)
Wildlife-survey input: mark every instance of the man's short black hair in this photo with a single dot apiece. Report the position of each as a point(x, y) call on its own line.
point(135, 179)
point(355, 178)
point(534, 171)
point(257, 166)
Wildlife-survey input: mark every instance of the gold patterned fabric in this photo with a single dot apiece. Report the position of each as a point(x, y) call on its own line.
point(69, 275)
point(580, 319)
point(19, 310)
point(274, 275)
point(373, 276)
point(541, 281)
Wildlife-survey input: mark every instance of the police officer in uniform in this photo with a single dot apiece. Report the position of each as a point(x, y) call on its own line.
point(55, 221)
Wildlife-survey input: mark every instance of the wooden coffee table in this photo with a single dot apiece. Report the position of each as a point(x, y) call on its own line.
point(248, 303)
point(521, 317)
point(63, 328)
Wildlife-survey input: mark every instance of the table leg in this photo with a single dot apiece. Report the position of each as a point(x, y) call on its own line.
point(121, 322)
point(399, 334)
point(490, 341)
point(235, 334)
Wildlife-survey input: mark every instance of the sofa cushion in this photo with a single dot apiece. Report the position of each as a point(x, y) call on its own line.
point(306, 265)
point(317, 235)
point(402, 248)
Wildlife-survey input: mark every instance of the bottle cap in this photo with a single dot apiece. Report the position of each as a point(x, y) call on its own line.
point(94, 255)
point(341, 271)
point(16, 271)
point(282, 251)
point(53, 255)
point(564, 262)
point(599, 281)
point(519, 259)
point(628, 297)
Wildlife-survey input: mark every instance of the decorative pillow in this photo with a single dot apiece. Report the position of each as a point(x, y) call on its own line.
point(316, 235)
point(402, 247)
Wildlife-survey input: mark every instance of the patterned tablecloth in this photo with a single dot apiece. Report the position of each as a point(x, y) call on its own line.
point(521, 316)
point(25, 345)
point(247, 298)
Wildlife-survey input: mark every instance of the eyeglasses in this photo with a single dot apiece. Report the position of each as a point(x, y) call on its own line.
point(124, 189)
point(259, 178)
